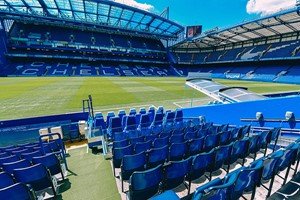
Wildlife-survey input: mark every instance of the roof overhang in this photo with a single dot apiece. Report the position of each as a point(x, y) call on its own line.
point(276, 24)
point(101, 13)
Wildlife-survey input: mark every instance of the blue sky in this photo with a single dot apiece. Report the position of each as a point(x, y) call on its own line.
point(211, 13)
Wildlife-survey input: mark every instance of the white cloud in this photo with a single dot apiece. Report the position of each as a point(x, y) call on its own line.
point(265, 7)
point(134, 3)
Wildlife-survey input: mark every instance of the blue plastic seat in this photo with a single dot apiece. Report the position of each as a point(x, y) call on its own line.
point(202, 163)
point(130, 123)
point(176, 138)
point(145, 184)
point(151, 113)
point(4, 154)
point(45, 149)
point(144, 125)
point(30, 147)
point(157, 156)
point(130, 164)
point(202, 132)
point(190, 136)
point(118, 154)
point(13, 149)
point(157, 124)
point(223, 127)
point(160, 142)
point(245, 131)
point(176, 172)
point(151, 137)
point(29, 156)
point(24, 145)
point(9, 159)
point(121, 143)
point(115, 126)
point(211, 141)
point(178, 132)
point(6, 180)
point(240, 150)
point(169, 195)
point(2, 149)
point(288, 158)
point(9, 167)
point(275, 135)
point(18, 153)
point(138, 119)
point(142, 146)
point(169, 121)
point(18, 191)
point(121, 113)
point(143, 111)
point(236, 133)
point(248, 178)
point(132, 111)
point(51, 162)
point(271, 167)
point(135, 140)
point(178, 119)
point(224, 137)
point(37, 176)
point(222, 153)
point(265, 140)
point(253, 145)
point(218, 189)
point(109, 115)
point(178, 151)
point(196, 146)
point(165, 134)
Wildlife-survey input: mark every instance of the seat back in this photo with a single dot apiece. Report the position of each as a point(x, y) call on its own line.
point(132, 163)
point(176, 138)
point(5, 180)
point(130, 123)
point(224, 137)
point(119, 153)
point(178, 116)
point(158, 119)
point(202, 163)
point(115, 125)
point(222, 153)
point(132, 111)
point(178, 151)
point(9, 167)
point(157, 156)
point(142, 146)
point(145, 121)
point(211, 141)
point(161, 142)
point(18, 191)
point(169, 118)
point(50, 161)
point(196, 146)
point(271, 164)
point(145, 184)
point(176, 172)
point(36, 175)
point(9, 159)
point(4, 154)
point(248, 178)
point(143, 111)
point(29, 156)
point(121, 113)
point(109, 115)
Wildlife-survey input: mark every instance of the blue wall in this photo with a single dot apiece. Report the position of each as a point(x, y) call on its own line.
point(26, 130)
point(2, 48)
point(232, 113)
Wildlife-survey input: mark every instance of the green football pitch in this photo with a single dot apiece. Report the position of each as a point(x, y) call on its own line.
point(37, 96)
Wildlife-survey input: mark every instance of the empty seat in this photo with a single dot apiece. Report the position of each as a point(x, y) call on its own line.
point(37, 176)
point(115, 126)
point(118, 154)
point(157, 156)
point(132, 111)
point(142, 146)
point(130, 164)
point(18, 191)
point(145, 184)
point(109, 115)
point(9, 159)
point(29, 156)
point(176, 171)
point(143, 111)
point(5, 180)
point(51, 162)
point(178, 151)
point(9, 167)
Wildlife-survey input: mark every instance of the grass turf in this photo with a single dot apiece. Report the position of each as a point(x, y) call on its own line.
point(90, 178)
point(35, 96)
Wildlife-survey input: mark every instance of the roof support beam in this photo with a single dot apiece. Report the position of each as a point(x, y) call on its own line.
point(45, 8)
point(285, 23)
point(10, 6)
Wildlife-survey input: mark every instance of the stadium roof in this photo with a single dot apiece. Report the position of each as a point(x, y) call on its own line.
point(280, 23)
point(100, 12)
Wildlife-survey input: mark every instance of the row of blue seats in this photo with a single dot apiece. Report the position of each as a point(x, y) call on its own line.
point(247, 179)
point(192, 168)
point(37, 173)
point(225, 154)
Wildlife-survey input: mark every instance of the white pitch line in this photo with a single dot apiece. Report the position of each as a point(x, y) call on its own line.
point(119, 108)
point(177, 105)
